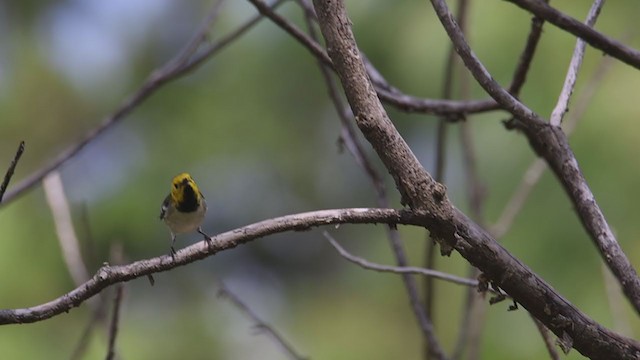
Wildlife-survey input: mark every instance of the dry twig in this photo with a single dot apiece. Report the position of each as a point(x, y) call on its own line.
point(12, 168)
point(574, 66)
point(366, 264)
point(259, 323)
point(115, 319)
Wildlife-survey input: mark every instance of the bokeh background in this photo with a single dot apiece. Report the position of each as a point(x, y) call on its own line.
point(256, 129)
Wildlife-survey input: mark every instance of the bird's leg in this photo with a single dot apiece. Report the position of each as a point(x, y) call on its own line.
point(207, 238)
point(173, 242)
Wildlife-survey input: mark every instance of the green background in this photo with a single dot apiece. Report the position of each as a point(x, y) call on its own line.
point(256, 129)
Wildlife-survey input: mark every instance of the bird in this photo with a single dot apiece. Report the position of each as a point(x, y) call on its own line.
point(184, 208)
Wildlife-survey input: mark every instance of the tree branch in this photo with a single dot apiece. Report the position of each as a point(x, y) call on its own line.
point(349, 138)
point(536, 169)
point(450, 227)
point(183, 63)
point(386, 93)
point(599, 41)
point(259, 323)
point(551, 143)
point(57, 201)
point(109, 275)
point(574, 66)
point(12, 168)
point(430, 273)
point(115, 319)
point(520, 73)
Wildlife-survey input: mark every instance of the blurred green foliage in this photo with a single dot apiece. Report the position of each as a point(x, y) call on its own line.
point(256, 129)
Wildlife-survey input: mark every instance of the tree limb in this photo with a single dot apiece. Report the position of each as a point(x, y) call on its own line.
point(551, 143)
point(447, 224)
point(109, 275)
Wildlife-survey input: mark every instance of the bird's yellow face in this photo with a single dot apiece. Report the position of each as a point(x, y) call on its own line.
point(181, 186)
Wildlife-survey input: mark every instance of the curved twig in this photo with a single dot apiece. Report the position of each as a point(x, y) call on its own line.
point(109, 275)
point(430, 273)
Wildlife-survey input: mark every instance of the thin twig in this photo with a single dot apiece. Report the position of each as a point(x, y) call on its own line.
point(522, 69)
point(258, 323)
point(547, 337)
point(389, 95)
point(471, 324)
point(574, 66)
point(170, 71)
point(536, 169)
point(475, 307)
point(114, 325)
point(594, 38)
point(199, 38)
point(440, 160)
point(12, 167)
point(365, 264)
point(97, 316)
point(516, 202)
point(616, 303)
point(69, 244)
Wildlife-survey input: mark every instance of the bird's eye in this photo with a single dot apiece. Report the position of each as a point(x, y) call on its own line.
point(175, 186)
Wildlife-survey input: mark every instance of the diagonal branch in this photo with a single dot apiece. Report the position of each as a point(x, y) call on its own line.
point(389, 95)
point(537, 167)
point(594, 38)
point(520, 73)
point(259, 323)
point(450, 227)
point(349, 138)
point(184, 62)
point(574, 66)
point(12, 168)
point(550, 142)
point(69, 244)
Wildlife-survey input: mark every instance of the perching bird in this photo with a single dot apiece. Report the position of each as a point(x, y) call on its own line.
point(184, 208)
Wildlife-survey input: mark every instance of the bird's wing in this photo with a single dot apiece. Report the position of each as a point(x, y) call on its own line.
point(165, 206)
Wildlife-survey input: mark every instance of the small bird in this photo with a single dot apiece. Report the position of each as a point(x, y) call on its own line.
point(184, 208)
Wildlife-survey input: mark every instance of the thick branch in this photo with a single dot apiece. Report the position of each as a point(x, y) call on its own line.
point(447, 224)
point(350, 140)
point(550, 142)
point(594, 38)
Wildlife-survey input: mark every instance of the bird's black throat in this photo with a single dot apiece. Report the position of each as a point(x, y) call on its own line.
point(189, 201)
